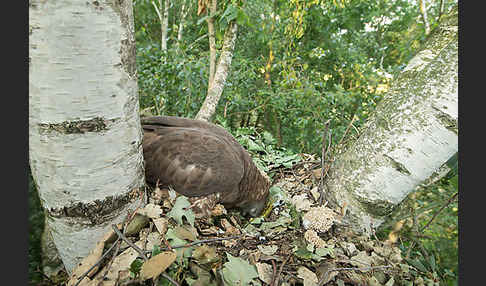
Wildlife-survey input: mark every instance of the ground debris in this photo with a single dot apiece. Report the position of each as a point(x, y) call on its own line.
point(295, 243)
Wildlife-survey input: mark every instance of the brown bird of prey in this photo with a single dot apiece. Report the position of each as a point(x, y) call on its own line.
point(203, 160)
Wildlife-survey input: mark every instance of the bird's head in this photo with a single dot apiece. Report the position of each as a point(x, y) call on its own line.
point(253, 208)
point(256, 196)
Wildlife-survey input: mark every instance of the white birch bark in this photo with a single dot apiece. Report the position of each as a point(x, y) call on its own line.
point(84, 130)
point(165, 24)
point(211, 101)
point(412, 133)
point(423, 12)
point(182, 21)
point(212, 43)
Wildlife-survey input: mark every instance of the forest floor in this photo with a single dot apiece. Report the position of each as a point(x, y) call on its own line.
point(164, 244)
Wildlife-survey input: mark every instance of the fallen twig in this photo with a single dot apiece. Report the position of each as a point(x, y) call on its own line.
point(200, 241)
point(281, 269)
point(118, 243)
point(351, 268)
point(137, 249)
point(170, 279)
point(128, 218)
point(97, 263)
point(140, 252)
point(323, 159)
point(347, 129)
point(274, 273)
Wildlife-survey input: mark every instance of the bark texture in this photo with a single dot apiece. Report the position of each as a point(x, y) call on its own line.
point(412, 133)
point(216, 89)
point(423, 12)
point(184, 9)
point(212, 43)
point(165, 24)
point(85, 135)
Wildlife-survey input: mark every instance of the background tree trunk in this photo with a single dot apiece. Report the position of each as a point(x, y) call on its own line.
point(212, 42)
point(184, 9)
point(85, 136)
point(165, 24)
point(410, 136)
point(211, 101)
point(423, 12)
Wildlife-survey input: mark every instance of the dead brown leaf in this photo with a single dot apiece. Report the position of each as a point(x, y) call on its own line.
point(153, 267)
point(186, 232)
point(309, 277)
point(205, 254)
point(90, 260)
point(161, 224)
point(265, 272)
point(151, 210)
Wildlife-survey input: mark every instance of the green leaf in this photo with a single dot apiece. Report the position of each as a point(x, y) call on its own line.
point(241, 18)
point(268, 138)
point(156, 250)
point(179, 210)
point(252, 146)
point(174, 240)
point(417, 264)
point(432, 263)
point(229, 14)
point(136, 266)
point(238, 271)
point(323, 251)
point(454, 182)
point(304, 253)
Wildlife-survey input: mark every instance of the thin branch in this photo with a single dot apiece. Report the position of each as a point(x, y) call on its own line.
point(170, 279)
point(157, 10)
point(281, 269)
point(435, 215)
point(137, 249)
point(197, 40)
point(44, 275)
point(441, 10)
point(140, 252)
point(98, 262)
point(351, 268)
point(274, 273)
point(323, 159)
point(118, 244)
point(347, 129)
point(201, 241)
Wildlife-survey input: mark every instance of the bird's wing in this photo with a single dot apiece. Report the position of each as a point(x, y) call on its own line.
point(193, 161)
point(155, 122)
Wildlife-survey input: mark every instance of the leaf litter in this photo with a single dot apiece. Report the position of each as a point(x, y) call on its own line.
point(295, 242)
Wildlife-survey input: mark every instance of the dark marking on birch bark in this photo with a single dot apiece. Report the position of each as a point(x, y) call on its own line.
point(76, 127)
point(377, 208)
point(397, 165)
point(96, 212)
point(446, 120)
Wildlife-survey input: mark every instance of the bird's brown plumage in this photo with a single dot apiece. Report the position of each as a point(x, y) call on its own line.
point(198, 159)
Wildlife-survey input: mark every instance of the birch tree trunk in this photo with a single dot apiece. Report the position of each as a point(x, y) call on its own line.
point(212, 43)
point(182, 22)
point(165, 24)
point(211, 101)
point(412, 133)
point(85, 136)
point(423, 12)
